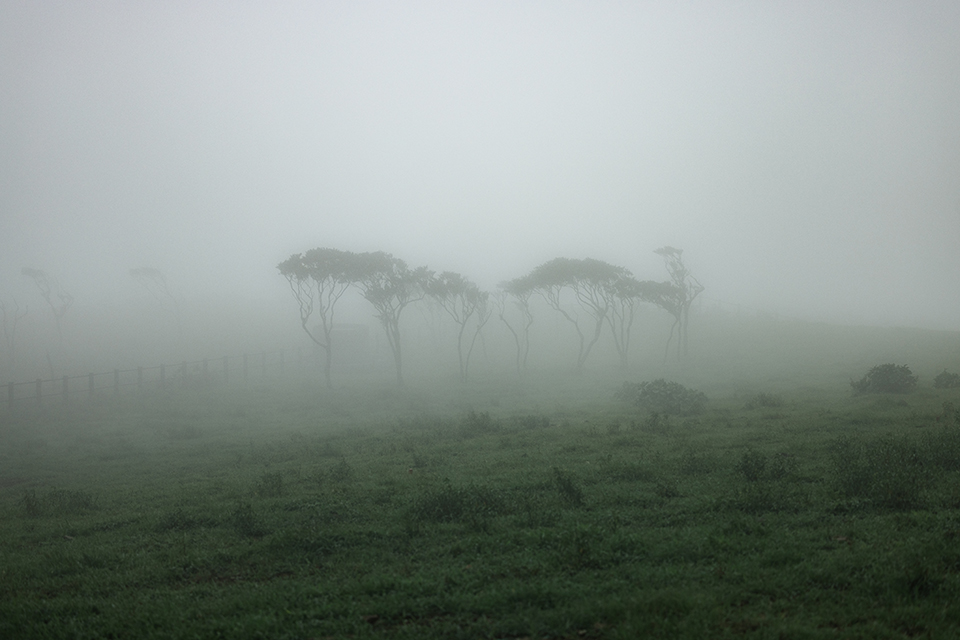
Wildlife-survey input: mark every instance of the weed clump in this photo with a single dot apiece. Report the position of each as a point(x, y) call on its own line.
point(946, 380)
point(472, 505)
point(662, 396)
point(887, 472)
point(567, 486)
point(886, 378)
point(766, 400)
point(56, 502)
point(752, 465)
point(478, 424)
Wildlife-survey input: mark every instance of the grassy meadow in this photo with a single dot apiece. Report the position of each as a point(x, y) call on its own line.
point(507, 507)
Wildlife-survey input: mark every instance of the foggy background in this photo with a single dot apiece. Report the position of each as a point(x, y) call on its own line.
point(805, 155)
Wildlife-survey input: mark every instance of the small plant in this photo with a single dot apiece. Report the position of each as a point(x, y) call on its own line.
point(886, 378)
point(889, 472)
point(946, 380)
point(570, 491)
point(245, 521)
point(476, 424)
point(752, 465)
point(341, 471)
point(270, 485)
point(662, 396)
point(472, 505)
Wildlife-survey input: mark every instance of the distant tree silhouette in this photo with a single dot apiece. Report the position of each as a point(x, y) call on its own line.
point(462, 300)
point(11, 317)
point(318, 279)
point(592, 283)
point(57, 299)
point(155, 283)
point(685, 289)
point(390, 286)
point(520, 290)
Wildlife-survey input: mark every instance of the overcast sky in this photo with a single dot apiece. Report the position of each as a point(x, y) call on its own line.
point(805, 155)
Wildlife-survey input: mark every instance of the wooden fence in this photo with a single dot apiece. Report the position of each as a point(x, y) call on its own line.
point(226, 369)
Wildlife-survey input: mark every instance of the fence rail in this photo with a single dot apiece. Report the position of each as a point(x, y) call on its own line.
point(225, 369)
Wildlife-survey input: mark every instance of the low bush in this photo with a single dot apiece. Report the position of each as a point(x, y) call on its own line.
point(946, 380)
point(886, 378)
point(767, 400)
point(662, 396)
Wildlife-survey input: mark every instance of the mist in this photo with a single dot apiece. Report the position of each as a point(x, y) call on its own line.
point(805, 156)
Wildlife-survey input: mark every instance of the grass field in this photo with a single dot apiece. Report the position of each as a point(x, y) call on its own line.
point(539, 507)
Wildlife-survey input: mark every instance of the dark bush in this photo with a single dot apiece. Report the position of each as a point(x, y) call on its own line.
point(945, 380)
point(661, 396)
point(886, 378)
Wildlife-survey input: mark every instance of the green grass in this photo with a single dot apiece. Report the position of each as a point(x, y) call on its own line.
point(540, 508)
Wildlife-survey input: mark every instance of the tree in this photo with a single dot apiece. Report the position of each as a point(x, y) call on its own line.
point(389, 285)
point(49, 289)
point(10, 321)
point(155, 283)
point(628, 294)
point(686, 289)
point(520, 290)
point(463, 301)
point(318, 279)
point(592, 283)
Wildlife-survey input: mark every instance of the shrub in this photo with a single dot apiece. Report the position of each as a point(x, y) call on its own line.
point(570, 492)
point(886, 378)
point(661, 396)
point(945, 380)
point(767, 400)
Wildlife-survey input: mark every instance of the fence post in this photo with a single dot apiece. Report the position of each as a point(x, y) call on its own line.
point(65, 389)
point(163, 376)
point(226, 369)
point(116, 381)
point(263, 364)
point(90, 385)
point(139, 377)
point(39, 387)
point(244, 368)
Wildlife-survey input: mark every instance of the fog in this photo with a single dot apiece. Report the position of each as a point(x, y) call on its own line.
point(804, 155)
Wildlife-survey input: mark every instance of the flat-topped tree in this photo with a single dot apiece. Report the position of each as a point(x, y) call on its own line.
point(686, 289)
point(592, 284)
point(628, 294)
point(318, 279)
point(389, 285)
point(463, 301)
point(520, 290)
